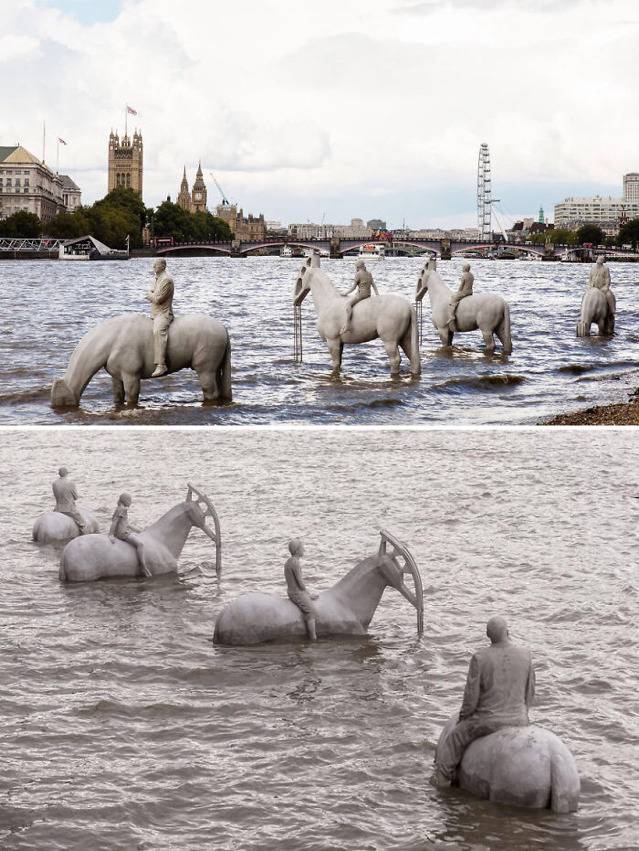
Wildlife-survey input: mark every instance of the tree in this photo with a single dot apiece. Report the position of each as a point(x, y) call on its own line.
point(21, 225)
point(69, 225)
point(590, 233)
point(629, 234)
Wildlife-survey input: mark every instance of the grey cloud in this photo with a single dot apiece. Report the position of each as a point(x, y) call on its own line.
point(429, 6)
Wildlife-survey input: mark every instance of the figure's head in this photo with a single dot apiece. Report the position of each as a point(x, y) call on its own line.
point(361, 266)
point(466, 267)
point(496, 630)
point(125, 499)
point(296, 547)
point(159, 266)
point(600, 260)
point(62, 472)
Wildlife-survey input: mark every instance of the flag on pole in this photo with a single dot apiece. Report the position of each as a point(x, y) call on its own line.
point(130, 111)
point(61, 141)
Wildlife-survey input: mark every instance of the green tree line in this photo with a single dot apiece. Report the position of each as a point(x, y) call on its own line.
point(120, 214)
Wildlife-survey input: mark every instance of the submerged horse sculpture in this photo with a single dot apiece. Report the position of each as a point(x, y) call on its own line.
point(521, 766)
point(92, 557)
point(389, 317)
point(595, 308)
point(345, 609)
point(484, 311)
point(123, 346)
point(53, 527)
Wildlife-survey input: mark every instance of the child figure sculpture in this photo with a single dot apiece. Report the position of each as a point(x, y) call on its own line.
point(297, 590)
point(120, 530)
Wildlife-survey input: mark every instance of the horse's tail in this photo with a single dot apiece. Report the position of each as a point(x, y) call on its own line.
point(226, 389)
point(564, 781)
point(410, 343)
point(503, 331)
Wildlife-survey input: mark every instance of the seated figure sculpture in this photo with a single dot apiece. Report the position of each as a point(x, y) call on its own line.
point(121, 531)
point(161, 297)
point(600, 279)
point(465, 289)
point(598, 304)
point(297, 591)
point(363, 284)
point(66, 521)
point(499, 689)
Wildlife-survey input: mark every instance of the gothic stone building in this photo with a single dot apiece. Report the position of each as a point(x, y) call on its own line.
point(126, 158)
point(194, 201)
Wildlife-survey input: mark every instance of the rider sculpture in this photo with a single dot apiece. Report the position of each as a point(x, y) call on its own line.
point(499, 689)
point(465, 289)
point(297, 591)
point(121, 531)
point(65, 493)
point(600, 280)
point(161, 297)
point(363, 284)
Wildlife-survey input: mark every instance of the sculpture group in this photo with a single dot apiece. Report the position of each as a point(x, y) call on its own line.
point(490, 749)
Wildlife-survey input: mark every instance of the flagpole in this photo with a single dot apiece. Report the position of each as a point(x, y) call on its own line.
point(57, 158)
point(44, 141)
point(126, 121)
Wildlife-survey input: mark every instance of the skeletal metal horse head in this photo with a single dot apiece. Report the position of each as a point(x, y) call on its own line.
point(394, 573)
point(199, 510)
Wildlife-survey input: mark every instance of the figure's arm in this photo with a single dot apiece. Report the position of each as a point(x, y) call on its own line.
point(114, 526)
point(163, 292)
point(374, 287)
point(352, 289)
point(74, 492)
point(471, 692)
point(297, 573)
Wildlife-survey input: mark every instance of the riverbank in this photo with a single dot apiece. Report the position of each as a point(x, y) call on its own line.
point(619, 414)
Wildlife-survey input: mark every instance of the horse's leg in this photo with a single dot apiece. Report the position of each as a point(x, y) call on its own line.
point(209, 384)
point(131, 389)
point(118, 390)
point(393, 356)
point(489, 340)
point(335, 347)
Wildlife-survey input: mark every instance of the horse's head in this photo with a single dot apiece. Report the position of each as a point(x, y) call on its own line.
point(199, 510)
point(393, 572)
point(302, 283)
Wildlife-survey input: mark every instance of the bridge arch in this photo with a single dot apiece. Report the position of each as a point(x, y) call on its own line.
point(194, 249)
point(258, 246)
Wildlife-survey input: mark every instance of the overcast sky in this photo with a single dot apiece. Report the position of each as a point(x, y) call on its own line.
point(338, 108)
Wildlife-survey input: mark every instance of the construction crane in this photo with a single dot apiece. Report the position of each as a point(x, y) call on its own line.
point(225, 200)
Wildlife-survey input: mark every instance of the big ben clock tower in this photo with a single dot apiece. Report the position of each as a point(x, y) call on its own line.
point(198, 193)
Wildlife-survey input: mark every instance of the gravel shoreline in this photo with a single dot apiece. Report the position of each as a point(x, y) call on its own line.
point(619, 414)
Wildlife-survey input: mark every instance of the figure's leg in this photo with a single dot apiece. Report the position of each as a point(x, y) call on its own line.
point(77, 519)
point(310, 627)
point(489, 340)
point(118, 390)
point(139, 546)
point(451, 750)
point(393, 356)
point(350, 304)
point(335, 347)
point(160, 343)
point(131, 389)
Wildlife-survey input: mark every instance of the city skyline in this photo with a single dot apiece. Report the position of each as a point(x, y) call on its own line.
point(325, 120)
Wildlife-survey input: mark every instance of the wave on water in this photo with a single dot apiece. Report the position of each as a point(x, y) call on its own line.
point(482, 382)
point(26, 395)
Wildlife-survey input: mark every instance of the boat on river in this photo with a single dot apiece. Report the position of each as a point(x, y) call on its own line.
point(89, 248)
point(372, 251)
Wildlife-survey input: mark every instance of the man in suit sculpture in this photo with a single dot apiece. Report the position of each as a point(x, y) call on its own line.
point(499, 689)
point(161, 297)
point(65, 493)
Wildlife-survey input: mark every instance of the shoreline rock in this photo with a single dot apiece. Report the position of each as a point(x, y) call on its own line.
point(618, 414)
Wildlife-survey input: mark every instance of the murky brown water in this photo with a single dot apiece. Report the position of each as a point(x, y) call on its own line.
point(124, 727)
point(48, 306)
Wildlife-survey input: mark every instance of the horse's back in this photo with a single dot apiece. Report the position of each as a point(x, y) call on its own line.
point(478, 309)
point(255, 618)
point(53, 527)
point(521, 766)
point(92, 557)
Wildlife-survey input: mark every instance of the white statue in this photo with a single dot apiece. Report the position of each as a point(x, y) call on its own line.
point(128, 347)
point(66, 521)
point(363, 284)
point(487, 312)
point(598, 304)
point(345, 609)
point(389, 317)
point(94, 557)
point(490, 749)
point(161, 297)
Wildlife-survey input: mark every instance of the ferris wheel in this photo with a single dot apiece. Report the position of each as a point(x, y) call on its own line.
point(484, 194)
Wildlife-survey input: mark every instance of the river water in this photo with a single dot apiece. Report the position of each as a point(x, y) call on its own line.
point(48, 306)
point(123, 726)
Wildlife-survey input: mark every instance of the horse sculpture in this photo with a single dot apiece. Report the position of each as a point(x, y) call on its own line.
point(53, 527)
point(484, 311)
point(92, 557)
point(345, 609)
point(595, 308)
point(123, 345)
point(389, 317)
point(520, 766)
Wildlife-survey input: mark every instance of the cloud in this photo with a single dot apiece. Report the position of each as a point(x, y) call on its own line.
point(306, 108)
point(428, 7)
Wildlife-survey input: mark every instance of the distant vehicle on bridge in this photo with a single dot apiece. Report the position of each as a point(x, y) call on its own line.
point(162, 242)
